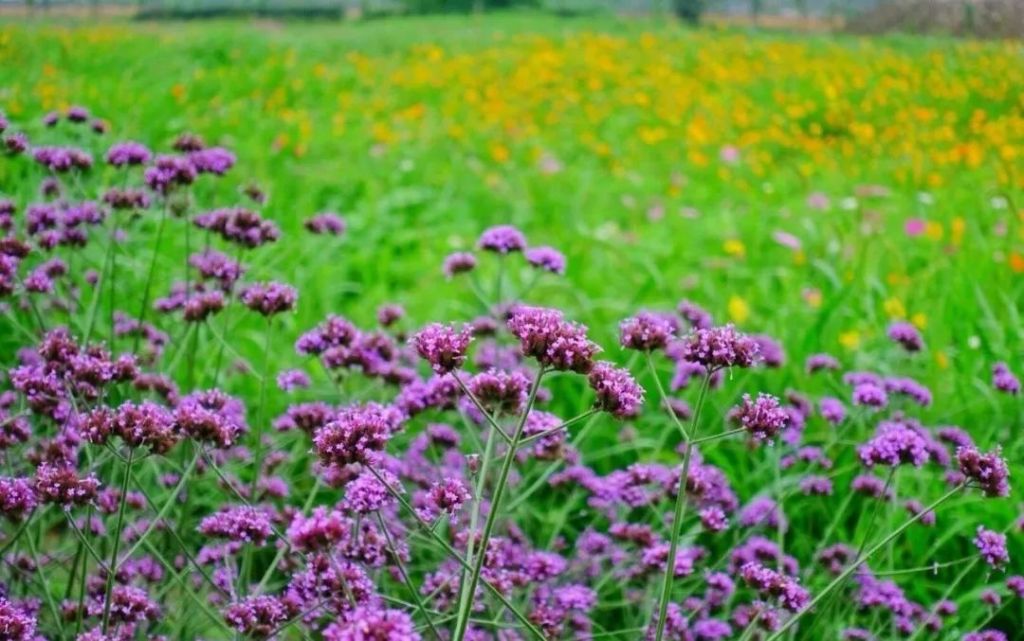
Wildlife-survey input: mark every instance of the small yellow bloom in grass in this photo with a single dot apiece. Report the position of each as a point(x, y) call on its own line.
point(499, 152)
point(850, 339)
point(933, 230)
point(739, 311)
point(735, 247)
point(920, 320)
point(941, 359)
point(894, 308)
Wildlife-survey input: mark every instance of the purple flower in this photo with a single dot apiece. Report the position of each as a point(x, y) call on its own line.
point(17, 498)
point(16, 143)
point(617, 391)
point(358, 435)
point(61, 485)
point(239, 523)
point(500, 392)
point(369, 623)
point(985, 635)
point(258, 617)
point(458, 263)
point(388, 315)
point(992, 546)
point(188, 142)
point(906, 335)
point(695, 315)
point(240, 226)
point(321, 530)
point(713, 519)
point(443, 346)
point(832, 410)
point(647, 331)
point(547, 259)
point(909, 387)
point(168, 172)
point(1015, 584)
point(212, 417)
point(1004, 380)
point(503, 239)
point(720, 347)
point(545, 335)
point(292, 379)
point(212, 160)
point(129, 152)
point(819, 362)
point(870, 395)
point(762, 418)
point(77, 113)
point(446, 496)
point(894, 444)
point(214, 265)
point(269, 298)
point(816, 485)
point(770, 352)
point(127, 198)
point(988, 471)
point(327, 223)
point(15, 623)
point(366, 494)
point(770, 583)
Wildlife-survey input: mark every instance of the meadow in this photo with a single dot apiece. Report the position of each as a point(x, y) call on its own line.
point(824, 195)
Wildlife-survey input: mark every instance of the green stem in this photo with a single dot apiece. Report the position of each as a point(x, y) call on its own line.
point(112, 571)
point(462, 622)
point(680, 509)
point(405, 577)
point(147, 291)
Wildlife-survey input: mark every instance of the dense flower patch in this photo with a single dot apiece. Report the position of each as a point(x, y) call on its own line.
point(391, 499)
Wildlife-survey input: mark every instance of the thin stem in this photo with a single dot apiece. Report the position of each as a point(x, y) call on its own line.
point(258, 430)
point(405, 577)
point(476, 403)
point(664, 398)
point(146, 292)
point(112, 572)
point(680, 510)
point(861, 561)
point(492, 515)
point(155, 522)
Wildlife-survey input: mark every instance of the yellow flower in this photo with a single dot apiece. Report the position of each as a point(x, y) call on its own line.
point(894, 308)
point(735, 247)
point(739, 311)
point(850, 339)
point(920, 320)
point(941, 359)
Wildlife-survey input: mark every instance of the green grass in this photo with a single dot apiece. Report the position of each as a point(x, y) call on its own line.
point(400, 125)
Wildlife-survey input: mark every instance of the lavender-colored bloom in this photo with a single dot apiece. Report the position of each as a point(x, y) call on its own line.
point(50, 118)
point(870, 486)
point(15, 623)
point(442, 346)
point(240, 523)
point(77, 113)
point(202, 305)
point(327, 223)
point(240, 226)
point(258, 617)
point(129, 152)
point(212, 160)
point(1015, 584)
point(4, 123)
point(358, 435)
point(870, 395)
point(988, 471)
point(60, 159)
point(832, 410)
point(188, 141)
point(369, 623)
point(906, 335)
point(212, 417)
point(819, 362)
point(458, 263)
point(16, 143)
point(985, 635)
point(770, 352)
point(269, 298)
point(910, 388)
point(321, 530)
point(500, 392)
point(446, 496)
point(557, 344)
point(214, 265)
point(894, 444)
point(647, 331)
point(915, 508)
point(127, 198)
point(713, 519)
point(617, 391)
point(168, 172)
point(502, 239)
point(366, 494)
point(62, 485)
point(1004, 380)
point(990, 597)
point(547, 259)
point(695, 315)
point(762, 418)
point(720, 347)
point(992, 546)
point(388, 315)
point(770, 583)
point(17, 498)
point(292, 379)
point(816, 485)
point(762, 511)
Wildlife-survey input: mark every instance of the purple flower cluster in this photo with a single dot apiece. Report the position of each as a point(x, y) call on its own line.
point(720, 347)
point(554, 342)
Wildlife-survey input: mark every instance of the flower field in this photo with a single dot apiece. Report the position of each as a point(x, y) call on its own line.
point(508, 327)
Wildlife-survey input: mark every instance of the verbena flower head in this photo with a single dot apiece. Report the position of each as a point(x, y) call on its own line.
point(321, 530)
point(870, 395)
point(357, 435)
point(240, 523)
point(500, 392)
point(546, 259)
point(1004, 380)
point(617, 391)
point(832, 410)
point(992, 546)
point(259, 616)
point(371, 623)
point(327, 223)
point(212, 160)
point(240, 226)
point(17, 498)
point(720, 347)
point(554, 342)
point(906, 335)
point(647, 331)
point(16, 624)
point(894, 444)
point(61, 485)
point(458, 263)
point(503, 239)
point(269, 298)
point(129, 152)
point(821, 362)
point(169, 172)
point(442, 346)
point(447, 497)
point(988, 471)
point(772, 584)
point(762, 418)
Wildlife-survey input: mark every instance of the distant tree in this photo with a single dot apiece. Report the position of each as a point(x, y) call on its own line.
point(689, 10)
